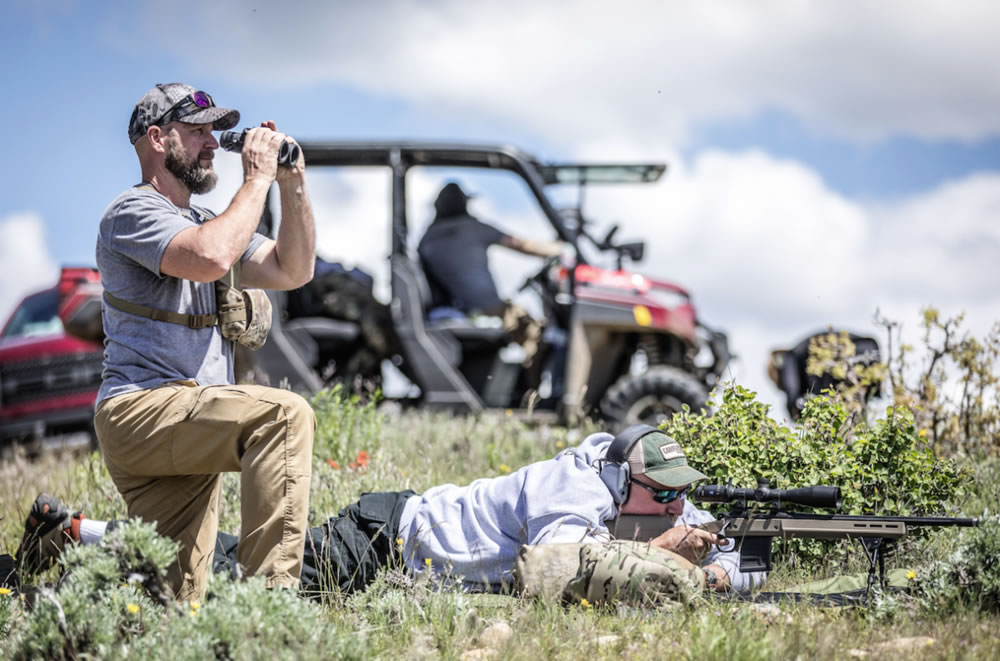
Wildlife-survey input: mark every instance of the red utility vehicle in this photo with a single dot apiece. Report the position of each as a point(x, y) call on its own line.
point(49, 379)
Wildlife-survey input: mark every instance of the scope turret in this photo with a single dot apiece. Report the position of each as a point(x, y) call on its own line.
point(817, 496)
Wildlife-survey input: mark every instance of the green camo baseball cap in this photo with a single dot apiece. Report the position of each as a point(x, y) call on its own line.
point(661, 458)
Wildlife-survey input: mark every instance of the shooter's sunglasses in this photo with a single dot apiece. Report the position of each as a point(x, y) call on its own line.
point(665, 496)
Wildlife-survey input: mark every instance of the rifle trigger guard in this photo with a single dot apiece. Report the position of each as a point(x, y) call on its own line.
point(716, 527)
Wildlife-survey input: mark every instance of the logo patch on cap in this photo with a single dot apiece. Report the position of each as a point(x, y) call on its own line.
point(671, 451)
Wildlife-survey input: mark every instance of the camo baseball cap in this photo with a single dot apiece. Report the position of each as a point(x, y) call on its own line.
point(170, 98)
point(661, 458)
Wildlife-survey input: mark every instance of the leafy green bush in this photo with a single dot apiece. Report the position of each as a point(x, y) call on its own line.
point(969, 578)
point(110, 603)
point(245, 619)
point(107, 595)
point(881, 468)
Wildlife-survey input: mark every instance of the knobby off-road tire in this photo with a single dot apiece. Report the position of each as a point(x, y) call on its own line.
point(652, 397)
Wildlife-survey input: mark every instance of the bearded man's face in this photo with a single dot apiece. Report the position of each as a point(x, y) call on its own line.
point(188, 168)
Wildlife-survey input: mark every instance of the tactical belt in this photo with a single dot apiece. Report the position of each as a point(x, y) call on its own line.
point(195, 321)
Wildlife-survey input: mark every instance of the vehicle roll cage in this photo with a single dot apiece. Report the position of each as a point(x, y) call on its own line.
point(399, 157)
point(456, 367)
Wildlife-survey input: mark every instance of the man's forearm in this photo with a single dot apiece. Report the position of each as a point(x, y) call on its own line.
point(536, 248)
point(204, 253)
point(296, 241)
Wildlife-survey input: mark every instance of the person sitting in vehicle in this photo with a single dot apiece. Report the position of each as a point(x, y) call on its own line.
point(453, 255)
point(473, 534)
point(787, 368)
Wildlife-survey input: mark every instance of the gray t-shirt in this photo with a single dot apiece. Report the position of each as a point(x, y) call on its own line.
point(141, 353)
point(453, 252)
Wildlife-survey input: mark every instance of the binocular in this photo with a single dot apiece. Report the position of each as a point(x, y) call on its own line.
point(288, 153)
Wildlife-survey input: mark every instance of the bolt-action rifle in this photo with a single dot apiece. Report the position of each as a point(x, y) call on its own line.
point(759, 515)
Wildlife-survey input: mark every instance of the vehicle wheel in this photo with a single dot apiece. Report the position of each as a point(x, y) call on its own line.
point(652, 397)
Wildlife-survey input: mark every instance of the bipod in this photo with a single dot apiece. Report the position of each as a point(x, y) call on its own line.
point(875, 549)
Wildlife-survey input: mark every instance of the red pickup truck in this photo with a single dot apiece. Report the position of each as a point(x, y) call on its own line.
point(49, 379)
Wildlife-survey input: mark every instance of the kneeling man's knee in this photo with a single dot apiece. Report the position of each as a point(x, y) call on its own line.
point(301, 422)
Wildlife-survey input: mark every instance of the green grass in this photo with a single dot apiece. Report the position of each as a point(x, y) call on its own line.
point(416, 450)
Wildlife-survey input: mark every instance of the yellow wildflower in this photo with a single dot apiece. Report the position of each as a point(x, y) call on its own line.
point(560, 444)
point(585, 604)
point(399, 541)
point(195, 605)
point(509, 412)
point(504, 468)
point(133, 608)
point(5, 591)
point(910, 575)
point(428, 562)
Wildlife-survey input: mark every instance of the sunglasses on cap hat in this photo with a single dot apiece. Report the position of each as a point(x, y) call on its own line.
point(663, 496)
point(189, 105)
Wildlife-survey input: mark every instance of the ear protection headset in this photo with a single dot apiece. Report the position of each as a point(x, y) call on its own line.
point(615, 471)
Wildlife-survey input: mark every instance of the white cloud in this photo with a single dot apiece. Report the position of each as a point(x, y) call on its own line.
point(25, 262)
point(642, 70)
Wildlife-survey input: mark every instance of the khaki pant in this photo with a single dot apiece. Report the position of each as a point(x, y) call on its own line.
point(166, 449)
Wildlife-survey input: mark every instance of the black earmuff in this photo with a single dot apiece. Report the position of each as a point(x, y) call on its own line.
point(615, 471)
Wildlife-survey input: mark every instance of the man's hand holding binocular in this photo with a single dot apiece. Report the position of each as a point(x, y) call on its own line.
point(262, 148)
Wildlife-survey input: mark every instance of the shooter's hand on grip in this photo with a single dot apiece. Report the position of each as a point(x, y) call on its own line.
point(687, 541)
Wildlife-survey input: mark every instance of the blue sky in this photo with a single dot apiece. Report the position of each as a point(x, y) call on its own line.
point(804, 140)
point(891, 167)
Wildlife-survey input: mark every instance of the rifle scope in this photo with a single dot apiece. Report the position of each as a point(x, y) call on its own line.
point(825, 497)
point(288, 152)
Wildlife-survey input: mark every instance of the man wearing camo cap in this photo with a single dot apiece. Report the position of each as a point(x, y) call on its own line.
point(168, 419)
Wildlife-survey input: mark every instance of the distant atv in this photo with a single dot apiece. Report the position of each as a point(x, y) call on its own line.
point(617, 344)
